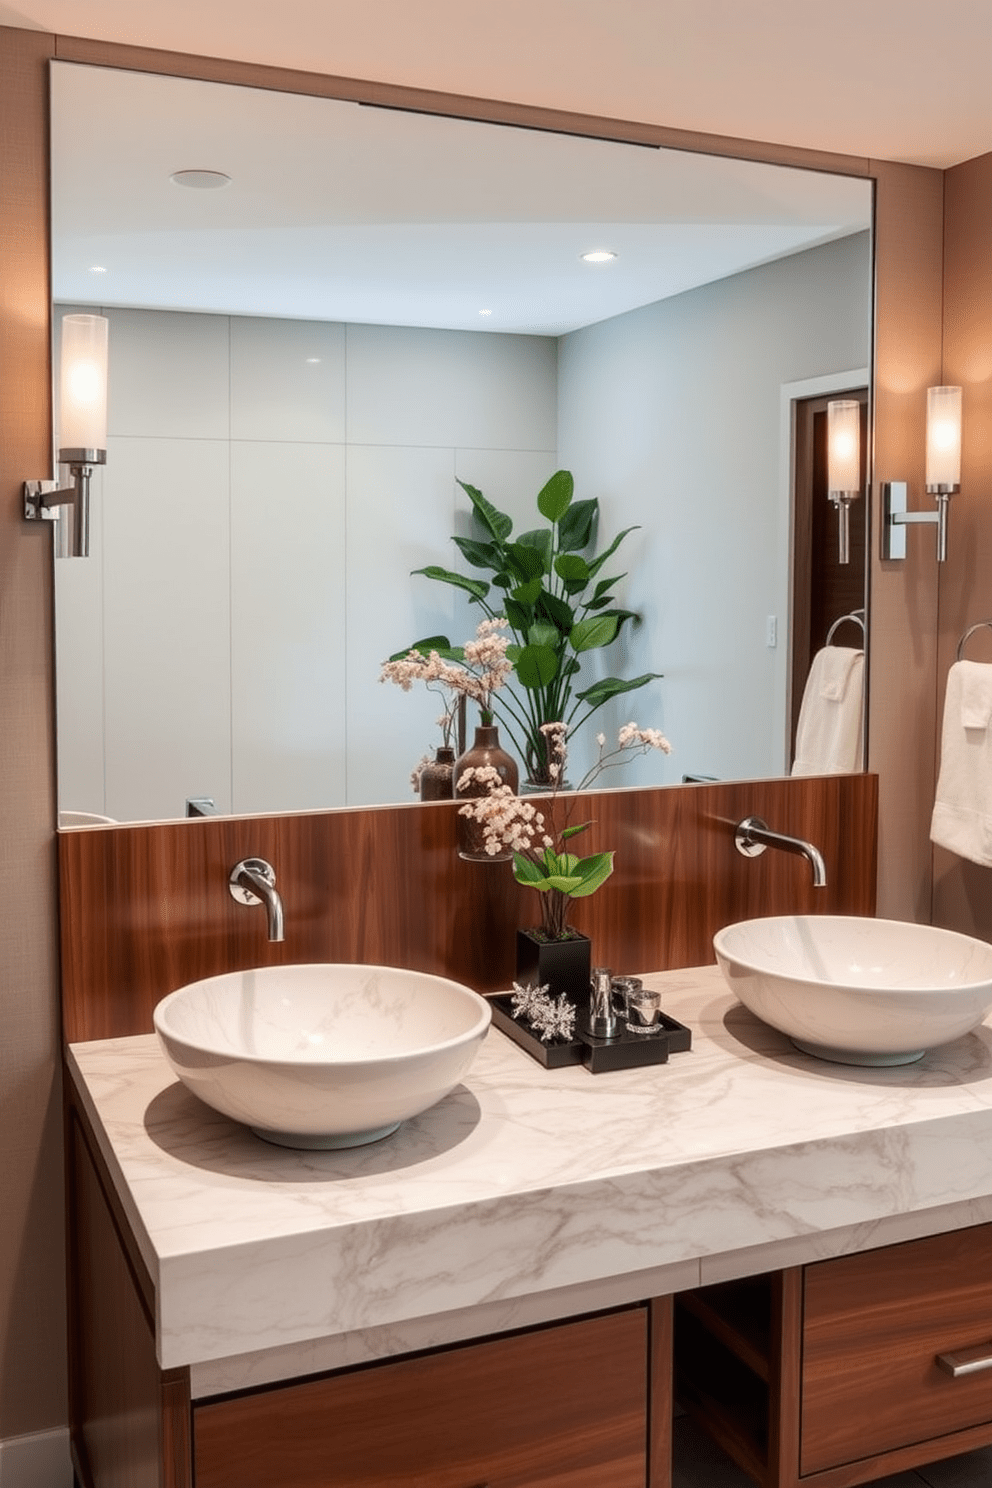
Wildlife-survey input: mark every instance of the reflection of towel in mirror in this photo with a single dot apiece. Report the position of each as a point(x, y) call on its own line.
point(830, 736)
point(962, 811)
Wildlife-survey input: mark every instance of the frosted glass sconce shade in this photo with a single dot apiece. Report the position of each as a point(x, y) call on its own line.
point(82, 432)
point(943, 439)
point(83, 383)
point(844, 446)
point(844, 465)
point(943, 476)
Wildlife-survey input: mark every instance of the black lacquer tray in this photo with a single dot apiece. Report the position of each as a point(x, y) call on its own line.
point(626, 1051)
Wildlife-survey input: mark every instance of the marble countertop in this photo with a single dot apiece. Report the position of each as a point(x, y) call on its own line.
point(527, 1193)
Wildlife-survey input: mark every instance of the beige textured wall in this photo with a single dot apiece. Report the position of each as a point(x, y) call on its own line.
point(903, 655)
point(32, 1354)
point(32, 1391)
point(962, 889)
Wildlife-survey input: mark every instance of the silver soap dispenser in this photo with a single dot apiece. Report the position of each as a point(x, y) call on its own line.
point(603, 1021)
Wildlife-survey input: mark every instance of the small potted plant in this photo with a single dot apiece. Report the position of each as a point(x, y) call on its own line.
point(537, 832)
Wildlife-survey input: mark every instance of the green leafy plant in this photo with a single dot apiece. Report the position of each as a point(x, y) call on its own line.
point(558, 606)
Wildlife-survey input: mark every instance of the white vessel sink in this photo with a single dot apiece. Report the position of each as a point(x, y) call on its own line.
point(858, 991)
point(323, 1055)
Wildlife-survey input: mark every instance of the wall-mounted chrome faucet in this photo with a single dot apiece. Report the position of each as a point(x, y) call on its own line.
point(752, 836)
point(253, 881)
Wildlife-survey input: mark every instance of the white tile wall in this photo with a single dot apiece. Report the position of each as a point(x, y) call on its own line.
point(288, 625)
point(79, 669)
point(254, 570)
point(400, 517)
point(167, 610)
point(451, 389)
point(169, 375)
point(287, 380)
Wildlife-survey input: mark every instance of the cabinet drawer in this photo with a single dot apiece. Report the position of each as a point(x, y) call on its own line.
point(563, 1407)
point(873, 1327)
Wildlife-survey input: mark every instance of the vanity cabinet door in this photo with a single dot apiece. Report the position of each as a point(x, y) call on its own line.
point(874, 1327)
point(560, 1407)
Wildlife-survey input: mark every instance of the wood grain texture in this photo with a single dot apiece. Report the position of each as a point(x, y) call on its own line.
point(903, 596)
point(83, 1152)
point(873, 1326)
point(759, 1323)
point(146, 909)
point(32, 1385)
point(738, 1315)
point(725, 1397)
point(875, 1470)
point(784, 1381)
point(116, 1403)
point(661, 1398)
point(563, 1407)
point(962, 889)
point(176, 1430)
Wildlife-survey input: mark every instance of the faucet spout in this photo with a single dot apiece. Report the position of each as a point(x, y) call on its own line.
point(253, 881)
point(753, 835)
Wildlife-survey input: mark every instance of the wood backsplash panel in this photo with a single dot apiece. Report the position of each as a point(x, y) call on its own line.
point(146, 908)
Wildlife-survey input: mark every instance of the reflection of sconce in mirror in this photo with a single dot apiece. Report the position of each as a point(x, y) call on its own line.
point(83, 421)
point(844, 465)
point(943, 476)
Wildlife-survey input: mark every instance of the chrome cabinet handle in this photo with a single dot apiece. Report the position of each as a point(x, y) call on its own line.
point(966, 1361)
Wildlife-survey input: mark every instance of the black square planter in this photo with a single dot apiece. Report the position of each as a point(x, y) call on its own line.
point(560, 965)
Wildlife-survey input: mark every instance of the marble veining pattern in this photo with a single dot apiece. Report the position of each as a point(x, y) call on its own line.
point(525, 1182)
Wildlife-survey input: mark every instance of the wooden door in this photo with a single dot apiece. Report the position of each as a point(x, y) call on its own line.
point(823, 589)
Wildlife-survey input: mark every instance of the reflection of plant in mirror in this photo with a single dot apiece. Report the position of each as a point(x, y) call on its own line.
point(537, 838)
point(476, 670)
point(556, 605)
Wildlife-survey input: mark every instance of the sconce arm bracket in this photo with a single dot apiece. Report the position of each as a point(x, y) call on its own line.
point(42, 499)
point(896, 517)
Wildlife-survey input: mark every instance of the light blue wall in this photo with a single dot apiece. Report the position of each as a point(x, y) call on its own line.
point(672, 415)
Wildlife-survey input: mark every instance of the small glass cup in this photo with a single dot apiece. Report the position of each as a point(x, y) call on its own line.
point(622, 988)
point(643, 1010)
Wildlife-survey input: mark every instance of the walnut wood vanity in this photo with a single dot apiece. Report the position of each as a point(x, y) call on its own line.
point(488, 1297)
point(840, 1372)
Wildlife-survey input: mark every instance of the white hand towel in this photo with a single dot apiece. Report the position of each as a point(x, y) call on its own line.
point(976, 694)
point(962, 810)
point(835, 666)
point(830, 735)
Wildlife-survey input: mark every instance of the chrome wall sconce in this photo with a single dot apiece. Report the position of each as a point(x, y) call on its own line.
point(844, 465)
point(943, 476)
point(83, 423)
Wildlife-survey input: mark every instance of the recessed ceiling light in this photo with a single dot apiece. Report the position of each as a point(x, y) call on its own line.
point(485, 312)
point(312, 361)
point(97, 269)
point(200, 180)
point(598, 255)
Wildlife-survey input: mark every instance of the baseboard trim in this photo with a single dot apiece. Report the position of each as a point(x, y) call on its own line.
point(41, 1460)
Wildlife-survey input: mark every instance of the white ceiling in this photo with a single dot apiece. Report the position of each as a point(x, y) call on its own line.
point(341, 212)
point(895, 79)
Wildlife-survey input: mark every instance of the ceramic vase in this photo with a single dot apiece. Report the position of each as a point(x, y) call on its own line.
point(485, 750)
point(561, 965)
point(437, 778)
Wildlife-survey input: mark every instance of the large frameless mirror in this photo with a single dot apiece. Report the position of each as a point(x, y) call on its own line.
point(323, 317)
